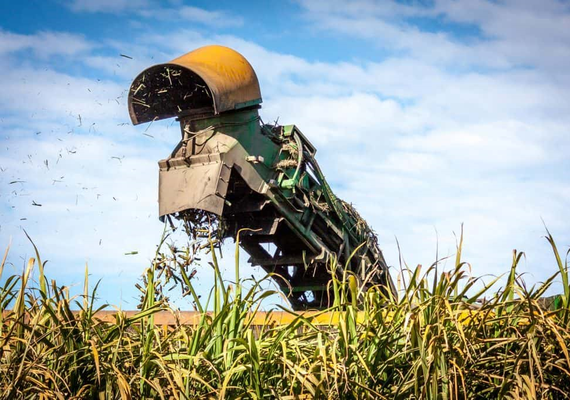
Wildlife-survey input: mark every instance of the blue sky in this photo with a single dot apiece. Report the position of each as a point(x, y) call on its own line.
point(426, 115)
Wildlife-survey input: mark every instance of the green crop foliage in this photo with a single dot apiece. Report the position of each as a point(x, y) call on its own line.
point(446, 336)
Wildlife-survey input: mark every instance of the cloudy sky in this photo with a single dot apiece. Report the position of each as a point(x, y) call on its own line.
point(426, 115)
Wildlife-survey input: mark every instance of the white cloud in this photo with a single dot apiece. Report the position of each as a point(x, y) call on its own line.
point(44, 43)
point(84, 194)
point(49, 94)
point(509, 144)
point(107, 6)
point(216, 18)
point(65, 139)
point(515, 33)
point(206, 17)
point(343, 118)
point(156, 10)
point(523, 32)
point(401, 162)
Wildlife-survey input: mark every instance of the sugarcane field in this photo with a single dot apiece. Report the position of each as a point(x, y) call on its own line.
point(168, 230)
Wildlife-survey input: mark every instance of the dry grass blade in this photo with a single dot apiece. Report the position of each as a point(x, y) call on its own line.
point(435, 341)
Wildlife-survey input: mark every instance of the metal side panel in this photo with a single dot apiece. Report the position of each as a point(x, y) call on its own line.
point(198, 185)
point(237, 158)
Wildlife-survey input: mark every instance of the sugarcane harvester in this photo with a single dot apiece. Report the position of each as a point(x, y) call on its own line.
point(247, 174)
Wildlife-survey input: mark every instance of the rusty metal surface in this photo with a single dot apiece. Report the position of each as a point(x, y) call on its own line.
point(211, 76)
point(192, 318)
point(259, 318)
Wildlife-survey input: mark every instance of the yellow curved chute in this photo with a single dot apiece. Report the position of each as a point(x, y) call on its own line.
point(215, 77)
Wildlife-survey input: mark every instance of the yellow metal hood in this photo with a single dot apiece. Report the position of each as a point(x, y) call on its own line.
point(209, 77)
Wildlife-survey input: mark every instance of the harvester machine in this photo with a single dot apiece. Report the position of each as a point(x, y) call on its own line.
point(231, 167)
